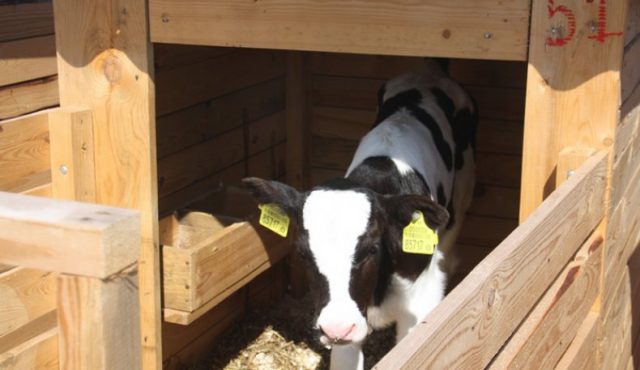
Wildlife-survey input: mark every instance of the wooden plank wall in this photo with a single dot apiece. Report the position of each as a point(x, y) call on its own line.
point(28, 79)
point(620, 311)
point(221, 116)
point(343, 107)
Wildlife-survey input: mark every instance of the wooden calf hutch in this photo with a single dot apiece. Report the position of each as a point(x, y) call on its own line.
point(164, 105)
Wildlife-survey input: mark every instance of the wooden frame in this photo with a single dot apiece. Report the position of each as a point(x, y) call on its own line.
point(486, 29)
point(99, 147)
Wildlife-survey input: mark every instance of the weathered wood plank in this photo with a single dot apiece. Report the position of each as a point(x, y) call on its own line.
point(34, 228)
point(582, 353)
point(467, 72)
point(182, 336)
point(40, 352)
point(218, 76)
point(24, 152)
point(472, 29)
point(476, 318)
point(545, 334)
point(28, 97)
point(27, 59)
point(196, 124)
point(25, 20)
point(27, 294)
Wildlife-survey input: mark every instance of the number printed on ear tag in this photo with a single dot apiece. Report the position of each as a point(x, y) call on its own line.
point(418, 238)
point(274, 219)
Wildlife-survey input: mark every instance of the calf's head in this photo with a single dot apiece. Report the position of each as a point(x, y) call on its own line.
point(350, 239)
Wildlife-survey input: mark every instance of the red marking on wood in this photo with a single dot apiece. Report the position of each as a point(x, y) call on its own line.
point(571, 22)
point(602, 24)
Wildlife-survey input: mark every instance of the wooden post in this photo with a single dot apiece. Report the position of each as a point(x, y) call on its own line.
point(95, 245)
point(104, 65)
point(573, 91)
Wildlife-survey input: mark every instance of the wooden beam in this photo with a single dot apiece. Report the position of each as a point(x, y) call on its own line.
point(573, 91)
point(86, 239)
point(478, 316)
point(27, 59)
point(104, 64)
point(486, 29)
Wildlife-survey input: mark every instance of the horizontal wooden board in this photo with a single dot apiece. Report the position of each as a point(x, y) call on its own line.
point(27, 294)
point(40, 352)
point(178, 337)
point(27, 97)
point(268, 164)
point(494, 103)
point(181, 169)
point(204, 121)
point(215, 77)
point(25, 20)
point(168, 56)
point(492, 168)
point(466, 72)
point(475, 319)
point(495, 201)
point(28, 331)
point(24, 153)
point(198, 350)
point(545, 334)
point(87, 239)
point(496, 136)
point(486, 231)
point(27, 59)
point(485, 29)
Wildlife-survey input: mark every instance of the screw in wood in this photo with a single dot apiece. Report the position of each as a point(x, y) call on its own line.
point(488, 35)
point(64, 169)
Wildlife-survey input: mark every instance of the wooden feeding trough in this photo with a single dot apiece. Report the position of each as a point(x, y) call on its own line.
point(151, 105)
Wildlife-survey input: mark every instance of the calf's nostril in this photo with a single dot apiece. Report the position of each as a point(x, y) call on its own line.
point(338, 332)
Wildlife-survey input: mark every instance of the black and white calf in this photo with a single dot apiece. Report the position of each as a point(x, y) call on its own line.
point(417, 157)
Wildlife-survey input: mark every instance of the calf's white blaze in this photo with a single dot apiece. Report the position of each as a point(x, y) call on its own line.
point(334, 220)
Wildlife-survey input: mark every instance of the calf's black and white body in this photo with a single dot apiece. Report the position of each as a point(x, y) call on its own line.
point(417, 157)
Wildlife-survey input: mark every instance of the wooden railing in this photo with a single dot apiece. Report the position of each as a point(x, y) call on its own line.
point(95, 250)
point(523, 304)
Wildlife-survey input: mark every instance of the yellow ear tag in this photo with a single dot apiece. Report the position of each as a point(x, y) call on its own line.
point(274, 219)
point(417, 237)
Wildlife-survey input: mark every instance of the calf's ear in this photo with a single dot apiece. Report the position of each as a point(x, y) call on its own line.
point(269, 191)
point(401, 208)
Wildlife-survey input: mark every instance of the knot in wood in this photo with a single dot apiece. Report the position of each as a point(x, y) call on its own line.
point(112, 69)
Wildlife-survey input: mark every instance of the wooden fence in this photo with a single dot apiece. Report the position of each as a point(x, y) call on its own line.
point(522, 306)
point(94, 249)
